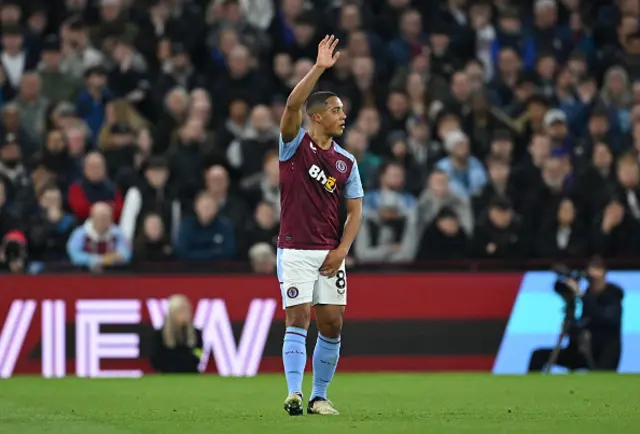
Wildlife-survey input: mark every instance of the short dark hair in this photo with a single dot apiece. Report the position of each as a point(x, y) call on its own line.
point(318, 98)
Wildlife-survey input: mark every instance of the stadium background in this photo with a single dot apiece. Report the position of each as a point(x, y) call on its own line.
point(548, 93)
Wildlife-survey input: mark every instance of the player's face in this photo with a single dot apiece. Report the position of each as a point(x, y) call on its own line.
point(334, 117)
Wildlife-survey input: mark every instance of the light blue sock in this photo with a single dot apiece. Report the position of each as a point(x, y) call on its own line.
point(294, 356)
point(325, 361)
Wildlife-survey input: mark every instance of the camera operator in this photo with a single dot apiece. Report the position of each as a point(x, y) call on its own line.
point(594, 338)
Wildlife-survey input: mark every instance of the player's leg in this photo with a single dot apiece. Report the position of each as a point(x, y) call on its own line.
point(294, 355)
point(329, 305)
point(297, 282)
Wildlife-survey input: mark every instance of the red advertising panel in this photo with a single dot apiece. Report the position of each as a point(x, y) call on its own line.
point(101, 326)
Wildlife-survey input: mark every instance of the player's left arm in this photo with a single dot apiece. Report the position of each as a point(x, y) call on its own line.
point(353, 193)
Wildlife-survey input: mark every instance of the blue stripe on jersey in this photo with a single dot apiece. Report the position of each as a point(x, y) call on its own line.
point(353, 187)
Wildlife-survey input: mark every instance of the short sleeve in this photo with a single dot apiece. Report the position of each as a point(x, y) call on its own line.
point(353, 188)
point(288, 149)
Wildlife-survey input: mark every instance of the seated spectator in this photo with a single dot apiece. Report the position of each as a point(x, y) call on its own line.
point(234, 126)
point(499, 232)
point(265, 227)
point(564, 236)
point(595, 182)
point(438, 196)
point(206, 236)
point(444, 239)
point(151, 194)
point(49, 228)
point(247, 153)
point(12, 166)
point(56, 84)
point(94, 187)
point(499, 185)
point(177, 347)
point(32, 107)
point(8, 220)
point(416, 175)
point(231, 206)
point(152, 243)
point(466, 174)
point(388, 233)
point(392, 179)
point(119, 150)
point(93, 99)
point(13, 252)
point(265, 186)
point(57, 158)
point(357, 143)
point(262, 258)
point(617, 231)
point(98, 243)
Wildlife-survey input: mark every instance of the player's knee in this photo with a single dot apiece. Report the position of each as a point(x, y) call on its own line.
point(298, 316)
point(331, 327)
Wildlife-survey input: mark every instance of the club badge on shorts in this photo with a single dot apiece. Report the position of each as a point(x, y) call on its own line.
point(292, 292)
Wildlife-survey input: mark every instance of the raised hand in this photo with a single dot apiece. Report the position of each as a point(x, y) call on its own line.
point(326, 56)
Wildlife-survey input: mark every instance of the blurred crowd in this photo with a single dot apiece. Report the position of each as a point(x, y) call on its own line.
point(147, 130)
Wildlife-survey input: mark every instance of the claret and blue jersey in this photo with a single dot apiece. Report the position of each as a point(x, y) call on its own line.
point(312, 182)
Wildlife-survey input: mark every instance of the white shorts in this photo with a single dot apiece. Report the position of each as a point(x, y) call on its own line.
point(301, 282)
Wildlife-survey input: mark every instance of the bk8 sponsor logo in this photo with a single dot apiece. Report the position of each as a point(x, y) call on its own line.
point(328, 182)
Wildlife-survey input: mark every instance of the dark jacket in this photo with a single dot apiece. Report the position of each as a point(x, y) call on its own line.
point(436, 245)
point(179, 360)
point(48, 240)
point(213, 241)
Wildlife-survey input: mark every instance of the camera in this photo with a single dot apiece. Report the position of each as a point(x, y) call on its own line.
point(561, 287)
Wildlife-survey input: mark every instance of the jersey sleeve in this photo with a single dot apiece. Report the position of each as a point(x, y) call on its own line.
point(288, 149)
point(353, 187)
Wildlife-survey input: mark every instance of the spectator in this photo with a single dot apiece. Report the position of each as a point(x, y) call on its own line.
point(13, 252)
point(499, 184)
point(178, 72)
point(154, 195)
point(8, 221)
point(392, 179)
point(564, 235)
point(12, 166)
point(15, 58)
point(50, 227)
point(357, 143)
point(94, 187)
point(411, 38)
point(415, 174)
point(265, 227)
point(56, 85)
point(616, 95)
point(444, 239)
point(98, 244)
point(176, 105)
point(177, 346)
point(14, 131)
point(231, 206)
point(120, 150)
point(438, 196)
point(206, 236)
point(234, 126)
point(262, 259)
point(265, 186)
point(247, 153)
point(499, 232)
point(32, 107)
point(93, 99)
point(79, 55)
point(595, 181)
point(152, 242)
point(112, 21)
point(466, 174)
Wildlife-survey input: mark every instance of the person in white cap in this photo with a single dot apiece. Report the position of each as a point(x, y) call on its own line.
point(555, 126)
point(466, 173)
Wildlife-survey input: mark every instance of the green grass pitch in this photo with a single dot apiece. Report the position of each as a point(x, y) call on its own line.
point(370, 403)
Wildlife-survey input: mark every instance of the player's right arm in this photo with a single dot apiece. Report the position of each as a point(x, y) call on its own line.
point(291, 121)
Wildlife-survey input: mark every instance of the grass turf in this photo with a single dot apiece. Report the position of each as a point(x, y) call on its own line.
point(370, 403)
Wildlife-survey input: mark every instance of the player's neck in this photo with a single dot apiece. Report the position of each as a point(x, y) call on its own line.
point(323, 141)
